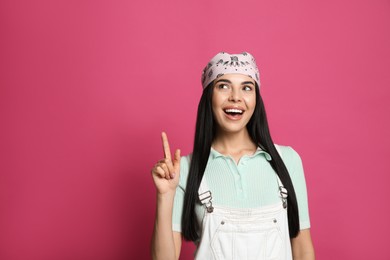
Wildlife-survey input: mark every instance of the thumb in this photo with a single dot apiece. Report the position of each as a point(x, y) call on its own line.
point(176, 161)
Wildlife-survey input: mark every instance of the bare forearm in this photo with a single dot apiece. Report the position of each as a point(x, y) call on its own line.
point(302, 246)
point(305, 256)
point(163, 246)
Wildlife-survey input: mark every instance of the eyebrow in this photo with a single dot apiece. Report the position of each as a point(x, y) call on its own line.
point(247, 82)
point(228, 81)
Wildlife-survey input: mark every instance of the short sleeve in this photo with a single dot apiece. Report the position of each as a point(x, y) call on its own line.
point(179, 196)
point(294, 166)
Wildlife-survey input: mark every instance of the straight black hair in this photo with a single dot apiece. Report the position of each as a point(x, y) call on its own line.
point(204, 135)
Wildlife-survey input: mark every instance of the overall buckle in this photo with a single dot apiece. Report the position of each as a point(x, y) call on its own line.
point(205, 198)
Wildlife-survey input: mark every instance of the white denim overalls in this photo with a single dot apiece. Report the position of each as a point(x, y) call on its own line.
point(243, 234)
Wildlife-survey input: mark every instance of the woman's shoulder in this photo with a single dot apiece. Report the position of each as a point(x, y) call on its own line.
point(293, 162)
point(184, 168)
point(185, 160)
point(289, 154)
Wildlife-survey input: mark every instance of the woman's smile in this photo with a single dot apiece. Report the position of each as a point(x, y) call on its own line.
point(234, 112)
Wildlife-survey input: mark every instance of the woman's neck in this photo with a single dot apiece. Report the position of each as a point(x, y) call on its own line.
point(233, 144)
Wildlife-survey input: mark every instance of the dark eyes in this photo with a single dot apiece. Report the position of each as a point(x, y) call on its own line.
point(223, 86)
point(226, 86)
point(247, 88)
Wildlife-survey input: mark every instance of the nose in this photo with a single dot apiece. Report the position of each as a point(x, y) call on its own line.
point(235, 95)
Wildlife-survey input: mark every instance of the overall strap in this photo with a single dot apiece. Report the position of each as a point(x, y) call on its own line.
point(282, 189)
point(205, 195)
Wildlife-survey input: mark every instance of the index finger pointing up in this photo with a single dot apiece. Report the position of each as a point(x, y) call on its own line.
point(167, 151)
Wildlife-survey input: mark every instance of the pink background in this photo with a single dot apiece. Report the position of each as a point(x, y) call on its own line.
point(87, 87)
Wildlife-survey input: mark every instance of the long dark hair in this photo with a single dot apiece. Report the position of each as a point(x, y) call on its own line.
point(204, 135)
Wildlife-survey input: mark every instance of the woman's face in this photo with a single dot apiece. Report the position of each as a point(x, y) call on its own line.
point(233, 102)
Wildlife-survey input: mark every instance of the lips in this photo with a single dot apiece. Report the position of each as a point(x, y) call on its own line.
point(234, 113)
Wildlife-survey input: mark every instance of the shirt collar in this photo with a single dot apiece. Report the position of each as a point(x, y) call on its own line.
point(215, 154)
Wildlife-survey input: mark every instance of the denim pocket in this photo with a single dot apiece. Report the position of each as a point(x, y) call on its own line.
point(247, 241)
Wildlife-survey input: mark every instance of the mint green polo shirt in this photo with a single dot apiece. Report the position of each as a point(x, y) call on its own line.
point(250, 183)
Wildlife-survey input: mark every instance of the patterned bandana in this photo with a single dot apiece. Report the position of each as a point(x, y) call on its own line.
point(225, 63)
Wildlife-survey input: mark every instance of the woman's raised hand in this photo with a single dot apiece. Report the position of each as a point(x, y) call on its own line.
point(166, 171)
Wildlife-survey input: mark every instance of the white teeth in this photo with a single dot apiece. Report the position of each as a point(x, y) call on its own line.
point(233, 110)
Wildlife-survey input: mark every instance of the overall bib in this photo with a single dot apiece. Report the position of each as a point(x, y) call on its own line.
point(244, 234)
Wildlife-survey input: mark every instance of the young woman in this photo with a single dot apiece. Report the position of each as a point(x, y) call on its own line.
point(237, 196)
